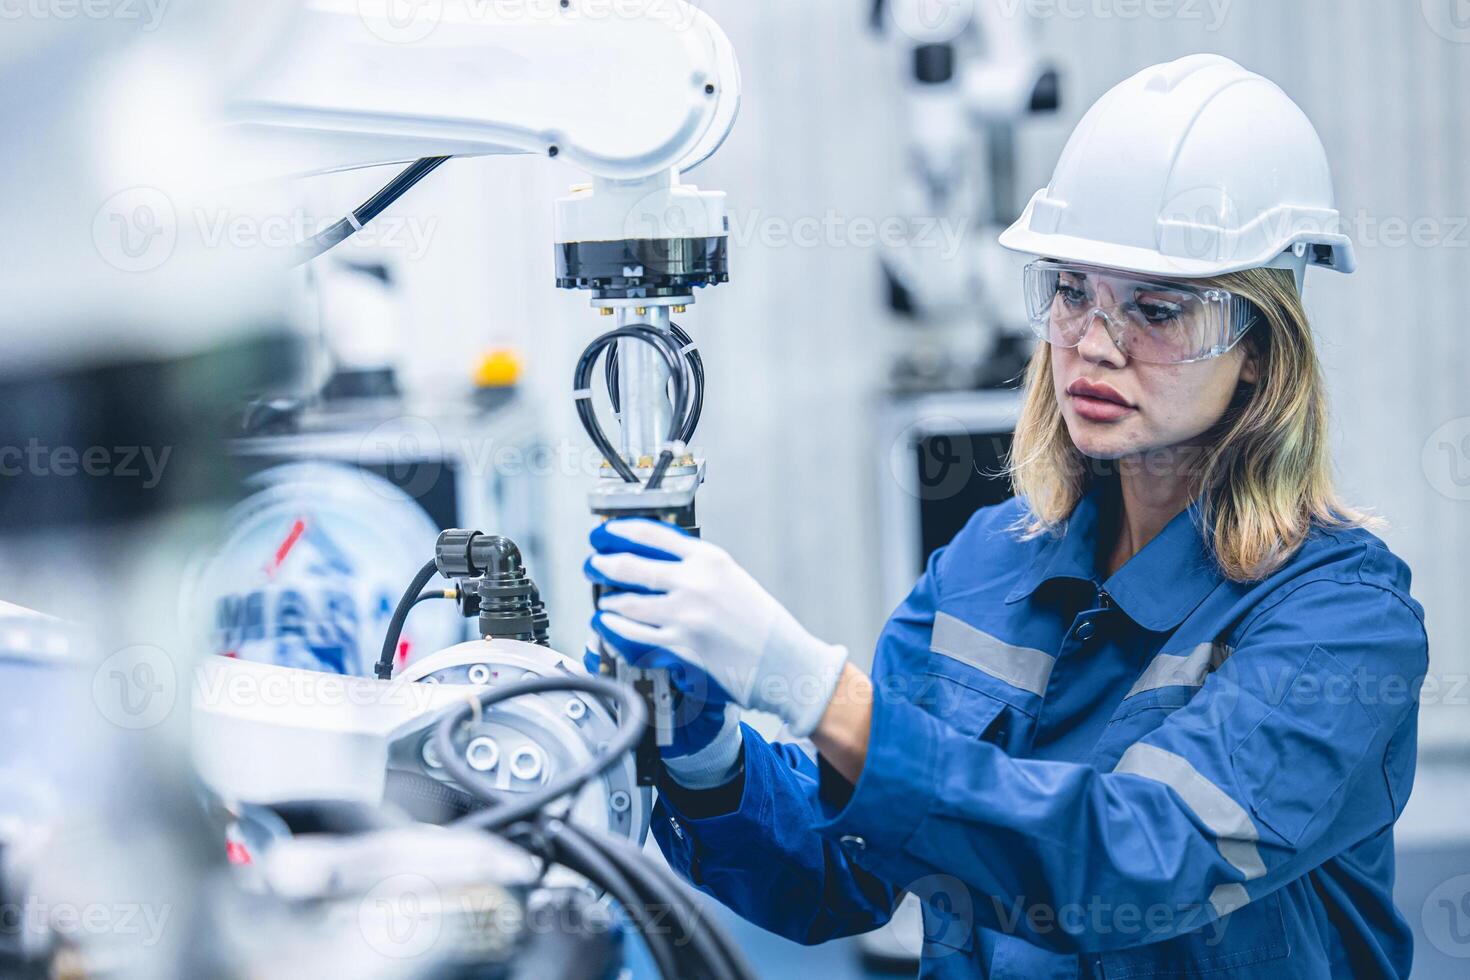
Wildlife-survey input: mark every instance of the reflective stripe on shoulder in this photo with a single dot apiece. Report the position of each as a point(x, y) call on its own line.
point(1021, 667)
point(1181, 670)
point(1235, 833)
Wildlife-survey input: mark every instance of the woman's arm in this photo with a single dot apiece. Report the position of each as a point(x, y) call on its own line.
point(842, 734)
point(1290, 754)
point(751, 844)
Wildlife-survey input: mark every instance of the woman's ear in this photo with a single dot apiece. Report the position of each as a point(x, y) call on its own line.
point(1248, 371)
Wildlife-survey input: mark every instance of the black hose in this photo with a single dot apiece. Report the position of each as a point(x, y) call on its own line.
point(434, 594)
point(582, 382)
point(656, 478)
point(384, 667)
point(635, 883)
point(714, 953)
point(570, 849)
point(344, 229)
point(508, 808)
point(691, 355)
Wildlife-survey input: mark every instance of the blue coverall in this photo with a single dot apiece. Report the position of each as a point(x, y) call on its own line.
point(1157, 773)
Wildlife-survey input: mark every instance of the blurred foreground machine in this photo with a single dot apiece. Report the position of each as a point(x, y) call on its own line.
point(478, 812)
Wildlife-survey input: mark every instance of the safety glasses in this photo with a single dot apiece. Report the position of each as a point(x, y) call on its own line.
point(1154, 320)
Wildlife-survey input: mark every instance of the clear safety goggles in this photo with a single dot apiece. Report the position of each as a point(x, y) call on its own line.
point(1154, 320)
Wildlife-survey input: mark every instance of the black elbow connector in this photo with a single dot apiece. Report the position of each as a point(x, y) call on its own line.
point(459, 553)
point(508, 602)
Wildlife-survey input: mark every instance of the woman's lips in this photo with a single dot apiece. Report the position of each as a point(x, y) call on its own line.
point(1099, 409)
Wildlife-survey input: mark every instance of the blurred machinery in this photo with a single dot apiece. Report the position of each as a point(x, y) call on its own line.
point(972, 78)
point(479, 814)
point(310, 568)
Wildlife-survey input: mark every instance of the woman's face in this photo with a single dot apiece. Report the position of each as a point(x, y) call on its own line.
point(1116, 406)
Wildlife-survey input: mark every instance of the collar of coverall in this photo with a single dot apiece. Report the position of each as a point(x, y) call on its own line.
point(1156, 588)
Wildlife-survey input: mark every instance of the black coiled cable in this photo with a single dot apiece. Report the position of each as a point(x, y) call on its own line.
point(508, 808)
point(688, 393)
point(695, 362)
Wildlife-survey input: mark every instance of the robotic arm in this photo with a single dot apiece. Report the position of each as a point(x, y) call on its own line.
point(633, 93)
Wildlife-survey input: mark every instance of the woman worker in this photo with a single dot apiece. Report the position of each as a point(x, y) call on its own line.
point(1154, 716)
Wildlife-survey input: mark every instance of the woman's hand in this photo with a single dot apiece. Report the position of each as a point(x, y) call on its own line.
point(685, 602)
point(706, 738)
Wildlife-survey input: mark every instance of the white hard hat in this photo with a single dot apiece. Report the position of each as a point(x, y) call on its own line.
point(1192, 168)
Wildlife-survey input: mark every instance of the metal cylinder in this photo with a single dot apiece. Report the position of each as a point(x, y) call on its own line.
point(643, 387)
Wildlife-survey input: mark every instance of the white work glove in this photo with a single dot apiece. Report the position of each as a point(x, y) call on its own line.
point(687, 599)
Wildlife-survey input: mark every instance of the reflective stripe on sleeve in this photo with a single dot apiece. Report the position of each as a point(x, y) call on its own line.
point(1235, 833)
point(1020, 667)
point(1181, 670)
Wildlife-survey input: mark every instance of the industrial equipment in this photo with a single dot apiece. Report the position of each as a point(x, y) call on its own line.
point(413, 825)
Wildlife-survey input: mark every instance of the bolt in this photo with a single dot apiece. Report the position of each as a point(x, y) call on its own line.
point(605, 310)
point(430, 757)
point(640, 310)
point(576, 709)
point(526, 764)
point(619, 801)
point(479, 674)
point(680, 308)
point(482, 754)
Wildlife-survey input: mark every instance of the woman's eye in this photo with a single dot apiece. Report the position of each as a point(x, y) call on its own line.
point(1160, 313)
point(1070, 294)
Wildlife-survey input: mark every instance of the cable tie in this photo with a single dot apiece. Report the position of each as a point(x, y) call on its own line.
point(580, 393)
point(474, 703)
point(691, 346)
point(352, 220)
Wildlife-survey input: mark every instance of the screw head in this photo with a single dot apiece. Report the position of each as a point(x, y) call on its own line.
point(526, 764)
point(482, 754)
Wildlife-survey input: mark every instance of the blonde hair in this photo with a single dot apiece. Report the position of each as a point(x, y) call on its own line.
point(1264, 475)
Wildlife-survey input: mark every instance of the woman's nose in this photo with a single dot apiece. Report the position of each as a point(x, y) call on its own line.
point(1096, 343)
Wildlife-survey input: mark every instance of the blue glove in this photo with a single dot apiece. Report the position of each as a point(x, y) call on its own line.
point(706, 744)
point(683, 600)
